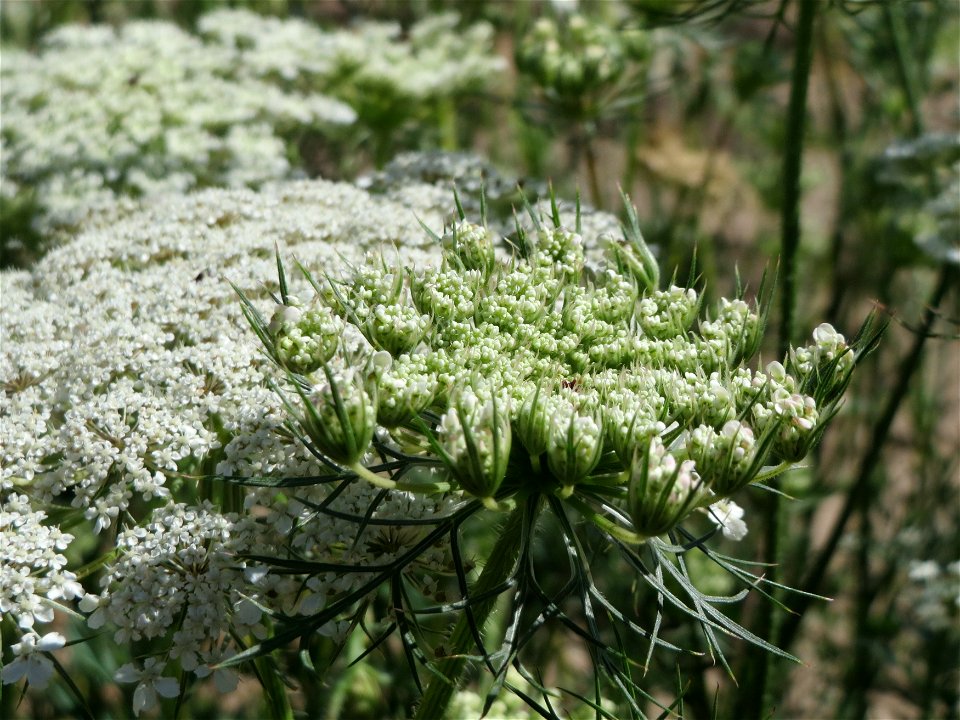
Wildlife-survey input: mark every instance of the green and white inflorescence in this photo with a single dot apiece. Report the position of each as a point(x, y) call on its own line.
point(538, 384)
point(531, 374)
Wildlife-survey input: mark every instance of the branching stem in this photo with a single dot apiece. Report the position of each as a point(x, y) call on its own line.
point(500, 564)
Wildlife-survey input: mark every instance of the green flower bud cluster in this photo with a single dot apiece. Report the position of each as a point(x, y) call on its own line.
point(517, 300)
point(304, 338)
point(735, 333)
point(574, 445)
point(340, 414)
point(631, 420)
point(395, 328)
point(666, 314)
point(796, 417)
point(826, 365)
point(663, 489)
point(447, 294)
point(558, 250)
point(475, 440)
point(529, 374)
point(405, 390)
point(472, 245)
point(732, 455)
point(572, 57)
point(614, 300)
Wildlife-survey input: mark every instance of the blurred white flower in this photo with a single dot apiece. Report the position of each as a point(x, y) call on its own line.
point(30, 663)
point(150, 683)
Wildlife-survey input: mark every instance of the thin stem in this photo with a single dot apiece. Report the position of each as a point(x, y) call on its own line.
point(388, 484)
point(905, 69)
point(861, 485)
point(590, 156)
point(499, 565)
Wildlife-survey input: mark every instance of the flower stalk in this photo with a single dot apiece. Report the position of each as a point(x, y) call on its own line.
point(500, 564)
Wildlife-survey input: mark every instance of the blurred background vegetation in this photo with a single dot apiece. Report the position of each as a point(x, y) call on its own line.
point(689, 111)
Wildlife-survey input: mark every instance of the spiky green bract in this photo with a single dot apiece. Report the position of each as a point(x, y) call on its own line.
point(633, 256)
point(532, 423)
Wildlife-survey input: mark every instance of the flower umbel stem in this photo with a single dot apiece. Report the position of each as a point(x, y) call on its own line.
point(499, 565)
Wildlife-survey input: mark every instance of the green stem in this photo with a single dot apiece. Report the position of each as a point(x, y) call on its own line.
point(753, 703)
point(792, 166)
point(388, 484)
point(905, 69)
point(591, 158)
point(447, 121)
point(499, 565)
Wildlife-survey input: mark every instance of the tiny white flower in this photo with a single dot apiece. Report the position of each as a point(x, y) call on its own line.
point(728, 516)
point(150, 684)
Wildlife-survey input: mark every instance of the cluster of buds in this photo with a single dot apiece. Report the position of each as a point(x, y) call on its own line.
point(577, 54)
point(475, 441)
point(731, 455)
point(340, 415)
point(304, 339)
point(825, 366)
point(574, 446)
point(533, 375)
point(663, 490)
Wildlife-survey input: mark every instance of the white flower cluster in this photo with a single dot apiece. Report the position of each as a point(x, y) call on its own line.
point(143, 110)
point(127, 368)
point(102, 114)
point(434, 59)
point(34, 582)
point(33, 575)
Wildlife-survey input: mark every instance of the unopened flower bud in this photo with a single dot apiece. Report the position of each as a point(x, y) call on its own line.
point(402, 395)
point(475, 438)
point(796, 417)
point(630, 428)
point(471, 245)
point(341, 416)
point(395, 328)
point(726, 460)
point(575, 446)
point(825, 366)
point(304, 339)
point(662, 490)
point(561, 250)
